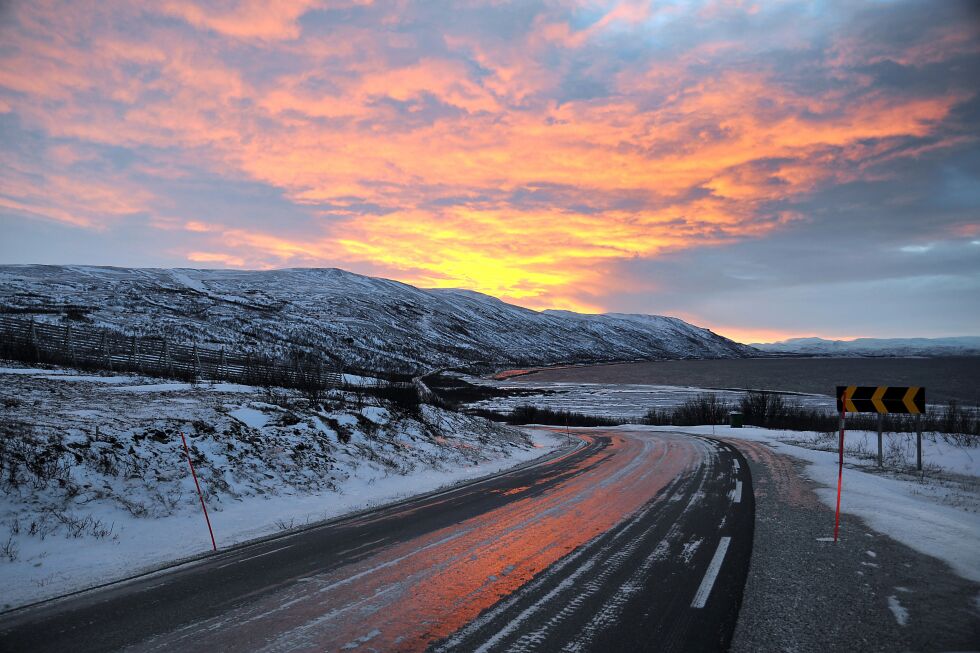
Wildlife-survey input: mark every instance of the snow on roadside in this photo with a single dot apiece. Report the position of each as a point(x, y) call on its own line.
point(103, 491)
point(937, 514)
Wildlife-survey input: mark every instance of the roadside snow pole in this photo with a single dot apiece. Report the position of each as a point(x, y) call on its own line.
point(840, 472)
point(199, 494)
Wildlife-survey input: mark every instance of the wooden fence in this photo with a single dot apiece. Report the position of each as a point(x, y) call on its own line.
point(84, 346)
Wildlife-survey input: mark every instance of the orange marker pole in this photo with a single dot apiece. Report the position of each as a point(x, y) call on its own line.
point(199, 494)
point(840, 469)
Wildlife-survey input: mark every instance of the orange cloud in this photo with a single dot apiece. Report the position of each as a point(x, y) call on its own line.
point(470, 159)
point(244, 19)
point(81, 202)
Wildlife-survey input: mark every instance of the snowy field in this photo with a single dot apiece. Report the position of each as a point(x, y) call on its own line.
point(937, 513)
point(94, 482)
point(613, 400)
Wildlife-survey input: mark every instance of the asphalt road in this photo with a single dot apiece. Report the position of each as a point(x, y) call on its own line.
point(634, 541)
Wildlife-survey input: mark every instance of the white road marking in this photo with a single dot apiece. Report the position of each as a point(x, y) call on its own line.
point(254, 557)
point(701, 598)
point(737, 492)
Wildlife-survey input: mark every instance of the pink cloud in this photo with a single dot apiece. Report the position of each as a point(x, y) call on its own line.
point(675, 150)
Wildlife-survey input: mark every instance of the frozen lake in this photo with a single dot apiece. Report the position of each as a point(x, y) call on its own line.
point(615, 400)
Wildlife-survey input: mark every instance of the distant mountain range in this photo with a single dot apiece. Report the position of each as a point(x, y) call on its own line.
point(960, 346)
point(357, 321)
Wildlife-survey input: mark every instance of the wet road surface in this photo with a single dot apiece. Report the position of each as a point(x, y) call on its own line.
point(634, 541)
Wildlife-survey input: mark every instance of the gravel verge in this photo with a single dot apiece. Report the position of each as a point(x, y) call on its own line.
point(866, 592)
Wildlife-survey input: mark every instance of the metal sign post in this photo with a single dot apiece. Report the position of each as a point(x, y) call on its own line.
point(918, 442)
point(882, 400)
point(840, 474)
point(881, 424)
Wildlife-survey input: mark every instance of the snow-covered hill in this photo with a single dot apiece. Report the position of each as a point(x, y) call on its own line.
point(962, 346)
point(95, 484)
point(359, 321)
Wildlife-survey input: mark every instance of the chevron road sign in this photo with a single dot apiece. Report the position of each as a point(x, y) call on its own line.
point(881, 399)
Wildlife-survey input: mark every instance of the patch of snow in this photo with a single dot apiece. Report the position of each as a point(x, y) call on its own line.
point(360, 381)
point(193, 284)
point(250, 417)
point(156, 387)
point(901, 612)
point(690, 548)
point(376, 414)
point(228, 387)
point(92, 378)
point(363, 639)
point(31, 371)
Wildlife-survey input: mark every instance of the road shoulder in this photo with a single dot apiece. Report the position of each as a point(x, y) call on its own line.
point(866, 592)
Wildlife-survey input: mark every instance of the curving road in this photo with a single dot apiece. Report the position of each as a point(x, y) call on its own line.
point(634, 541)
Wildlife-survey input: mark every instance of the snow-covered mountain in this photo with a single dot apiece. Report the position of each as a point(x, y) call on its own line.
point(358, 321)
point(960, 346)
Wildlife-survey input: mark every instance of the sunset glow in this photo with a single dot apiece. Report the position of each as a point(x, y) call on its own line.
point(545, 154)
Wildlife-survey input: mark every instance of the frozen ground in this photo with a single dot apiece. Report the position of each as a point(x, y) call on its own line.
point(937, 514)
point(94, 484)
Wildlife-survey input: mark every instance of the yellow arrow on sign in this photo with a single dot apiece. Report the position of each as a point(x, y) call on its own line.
point(848, 404)
point(909, 400)
point(876, 399)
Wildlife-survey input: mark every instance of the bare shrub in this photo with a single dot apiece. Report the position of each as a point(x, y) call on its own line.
point(705, 408)
point(8, 550)
point(527, 414)
point(76, 526)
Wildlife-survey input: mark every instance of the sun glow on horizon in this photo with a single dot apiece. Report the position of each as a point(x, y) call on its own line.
point(532, 157)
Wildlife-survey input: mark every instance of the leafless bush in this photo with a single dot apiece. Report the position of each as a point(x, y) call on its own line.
point(527, 414)
point(42, 526)
point(8, 550)
point(27, 460)
point(76, 526)
point(703, 409)
point(133, 507)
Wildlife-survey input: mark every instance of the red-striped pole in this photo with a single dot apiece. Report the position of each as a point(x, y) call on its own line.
point(199, 494)
point(840, 467)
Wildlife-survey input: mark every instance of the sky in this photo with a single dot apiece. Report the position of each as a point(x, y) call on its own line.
point(764, 169)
